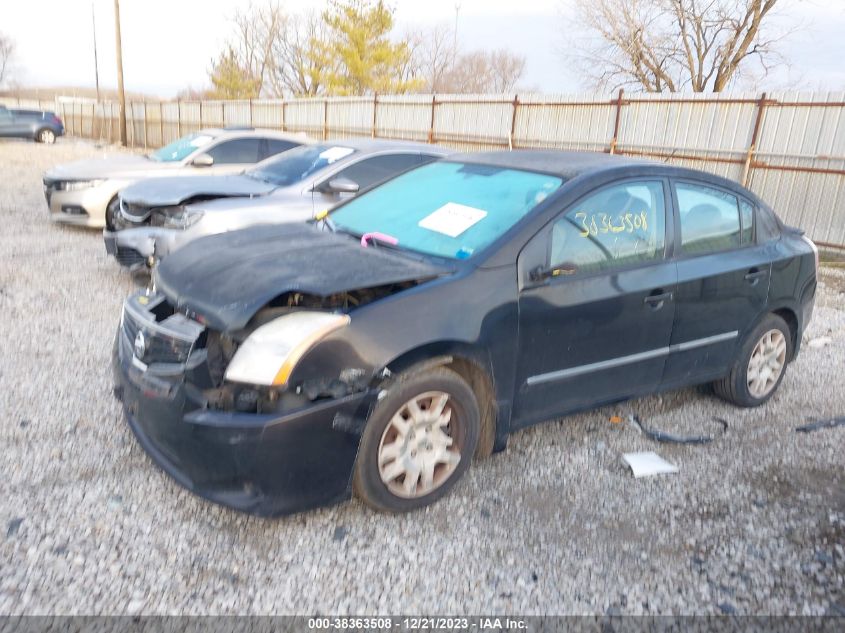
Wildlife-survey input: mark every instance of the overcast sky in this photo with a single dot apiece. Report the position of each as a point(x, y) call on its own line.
point(168, 44)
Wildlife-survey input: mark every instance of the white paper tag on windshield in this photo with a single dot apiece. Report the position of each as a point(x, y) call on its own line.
point(335, 153)
point(452, 219)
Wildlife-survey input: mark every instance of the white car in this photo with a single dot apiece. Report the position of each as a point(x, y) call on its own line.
point(160, 215)
point(84, 193)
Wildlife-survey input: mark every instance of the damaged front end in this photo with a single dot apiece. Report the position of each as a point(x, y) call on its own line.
point(267, 449)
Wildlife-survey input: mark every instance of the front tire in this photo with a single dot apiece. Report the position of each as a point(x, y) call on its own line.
point(46, 136)
point(112, 210)
point(418, 441)
point(760, 366)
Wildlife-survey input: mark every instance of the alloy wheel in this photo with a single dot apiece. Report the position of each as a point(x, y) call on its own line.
point(418, 452)
point(766, 363)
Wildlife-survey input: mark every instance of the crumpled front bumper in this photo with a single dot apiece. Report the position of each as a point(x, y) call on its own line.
point(134, 247)
point(263, 464)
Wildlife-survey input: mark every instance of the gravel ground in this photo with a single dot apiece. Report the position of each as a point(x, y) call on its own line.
point(753, 523)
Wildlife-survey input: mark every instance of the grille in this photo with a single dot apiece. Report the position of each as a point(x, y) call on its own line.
point(168, 341)
point(128, 257)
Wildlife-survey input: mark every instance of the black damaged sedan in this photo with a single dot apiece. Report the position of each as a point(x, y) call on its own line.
point(381, 348)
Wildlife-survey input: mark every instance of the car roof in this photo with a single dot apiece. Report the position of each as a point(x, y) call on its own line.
point(246, 132)
point(566, 164)
point(372, 145)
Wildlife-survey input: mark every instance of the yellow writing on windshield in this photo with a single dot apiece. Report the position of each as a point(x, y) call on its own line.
point(595, 223)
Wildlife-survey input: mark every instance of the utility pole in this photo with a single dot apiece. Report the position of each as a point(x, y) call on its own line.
point(96, 64)
point(121, 96)
point(455, 32)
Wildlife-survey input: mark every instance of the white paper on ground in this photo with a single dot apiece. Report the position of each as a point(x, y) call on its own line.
point(452, 219)
point(648, 463)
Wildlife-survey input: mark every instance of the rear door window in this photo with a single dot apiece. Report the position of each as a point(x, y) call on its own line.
point(236, 151)
point(378, 168)
point(710, 219)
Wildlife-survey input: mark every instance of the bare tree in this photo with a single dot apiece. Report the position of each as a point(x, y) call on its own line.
point(257, 29)
point(672, 45)
point(7, 53)
point(433, 53)
point(506, 69)
point(443, 68)
point(294, 57)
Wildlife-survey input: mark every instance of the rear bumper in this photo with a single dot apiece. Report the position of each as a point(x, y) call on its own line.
point(263, 464)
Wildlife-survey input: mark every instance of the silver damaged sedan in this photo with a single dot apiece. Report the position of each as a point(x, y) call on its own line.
point(160, 215)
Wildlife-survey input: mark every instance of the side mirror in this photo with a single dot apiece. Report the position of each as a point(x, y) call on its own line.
point(203, 160)
point(541, 273)
point(341, 185)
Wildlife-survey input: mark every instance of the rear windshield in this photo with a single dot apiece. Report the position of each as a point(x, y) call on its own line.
point(181, 148)
point(449, 209)
point(298, 164)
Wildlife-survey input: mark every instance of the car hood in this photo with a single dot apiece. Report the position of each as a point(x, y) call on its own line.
point(227, 278)
point(160, 192)
point(114, 166)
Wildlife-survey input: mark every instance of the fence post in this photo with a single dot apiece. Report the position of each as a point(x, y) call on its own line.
point(375, 108)
point(615, 139)
point(251, 116)
point(200, 113)
point(431, 125)
point(178, 118)
point(146, 124)
point(513, 121)
point(161, 142)
point(325, 119)
point(752, 147)
point(284, 116)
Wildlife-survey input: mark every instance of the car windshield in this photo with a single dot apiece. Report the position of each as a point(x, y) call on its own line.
point(181, 148)
point(298, 164)
point(448, 209)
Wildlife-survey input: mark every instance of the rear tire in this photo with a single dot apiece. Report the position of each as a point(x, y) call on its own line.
point(46, 136)
point(760, 365)
point(419, 440)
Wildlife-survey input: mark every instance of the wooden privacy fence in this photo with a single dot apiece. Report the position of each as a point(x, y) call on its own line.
point(789, 148)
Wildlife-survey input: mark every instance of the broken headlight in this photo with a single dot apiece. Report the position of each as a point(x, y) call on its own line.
point(269, 354)
point(175, 217)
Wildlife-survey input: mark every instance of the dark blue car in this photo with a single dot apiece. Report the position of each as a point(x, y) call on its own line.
point(279, 368)
point(43, 127)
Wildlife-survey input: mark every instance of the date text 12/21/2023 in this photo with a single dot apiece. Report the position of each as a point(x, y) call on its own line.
point(417, 623)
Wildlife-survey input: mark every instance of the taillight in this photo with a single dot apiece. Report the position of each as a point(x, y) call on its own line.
point(815, 250)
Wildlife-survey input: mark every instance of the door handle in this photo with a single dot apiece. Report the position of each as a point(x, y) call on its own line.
point(652, 299)
point(754, 275)
point(655, 302)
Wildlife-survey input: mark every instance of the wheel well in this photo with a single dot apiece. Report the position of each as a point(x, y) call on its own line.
point(476, 376)
point(482, 385)
point(792, 321)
